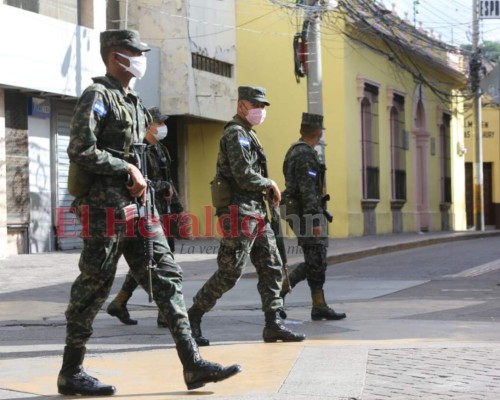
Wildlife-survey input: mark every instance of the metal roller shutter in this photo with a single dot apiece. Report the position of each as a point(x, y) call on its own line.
point(67, 226)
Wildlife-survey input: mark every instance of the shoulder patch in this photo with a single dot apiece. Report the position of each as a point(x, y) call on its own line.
point(244, 142)
point(312, 173)
point(100, 108)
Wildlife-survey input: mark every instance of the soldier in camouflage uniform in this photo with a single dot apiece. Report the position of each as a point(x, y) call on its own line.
point(242, 164)
point(108, 118)
point(304, 175)
point(166, 201)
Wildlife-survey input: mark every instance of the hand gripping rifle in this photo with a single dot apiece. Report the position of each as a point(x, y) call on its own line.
point(146, 215)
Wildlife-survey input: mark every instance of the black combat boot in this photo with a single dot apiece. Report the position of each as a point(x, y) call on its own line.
point(73, 380)
point(118, 308)
point(275, 330)
point(320, 309)
point(197, 371)
point(195, 314)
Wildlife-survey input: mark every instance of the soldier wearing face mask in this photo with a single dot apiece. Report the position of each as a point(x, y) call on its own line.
point(166, 202)
point(242, 164)
point(108, 119)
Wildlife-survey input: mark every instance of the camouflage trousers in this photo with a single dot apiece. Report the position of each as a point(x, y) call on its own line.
point(315, 250)
point(313, 268)
point(129, 284)
point(106, 243)
point(231, 259)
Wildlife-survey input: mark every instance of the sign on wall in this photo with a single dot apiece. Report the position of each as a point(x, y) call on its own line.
point(39, 107)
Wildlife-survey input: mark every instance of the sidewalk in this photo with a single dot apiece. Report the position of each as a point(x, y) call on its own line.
point(333, 363)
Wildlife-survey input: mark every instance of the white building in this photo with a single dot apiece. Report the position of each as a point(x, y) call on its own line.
point(50, 51)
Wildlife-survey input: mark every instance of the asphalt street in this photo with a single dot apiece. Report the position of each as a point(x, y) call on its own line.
point(423, 316)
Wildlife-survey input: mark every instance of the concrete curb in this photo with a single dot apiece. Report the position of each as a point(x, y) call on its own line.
point(384, 249)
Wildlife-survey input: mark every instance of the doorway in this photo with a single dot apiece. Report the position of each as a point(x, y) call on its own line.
point(488, 206)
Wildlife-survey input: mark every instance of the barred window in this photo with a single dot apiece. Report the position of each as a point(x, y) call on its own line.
point(370, 142)
point(398, 153)
point(211, 65)
point(445, 156)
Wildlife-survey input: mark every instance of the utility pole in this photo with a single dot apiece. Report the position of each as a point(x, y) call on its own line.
point(314, 71)
point(416, 3)
point(476, 109)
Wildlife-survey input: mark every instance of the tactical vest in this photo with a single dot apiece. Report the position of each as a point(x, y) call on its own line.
point(115, 135)
point(290, 196)
point(261, 156)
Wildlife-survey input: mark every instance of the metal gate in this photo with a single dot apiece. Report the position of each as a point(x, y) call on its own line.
point(67, 227)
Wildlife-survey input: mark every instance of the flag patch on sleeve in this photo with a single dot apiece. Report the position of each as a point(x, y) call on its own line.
point(244, 142)
point(312, 173)
point(100, 108)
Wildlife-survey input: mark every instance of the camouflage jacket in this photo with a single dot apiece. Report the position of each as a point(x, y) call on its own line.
point(242, 162)
point(106, 121)
point(159, 172)
point(303, 177)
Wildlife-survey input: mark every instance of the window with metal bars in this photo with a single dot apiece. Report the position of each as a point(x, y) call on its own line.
point(398, 151)
point(211, 65)
point(445, 158)
point(370, 142)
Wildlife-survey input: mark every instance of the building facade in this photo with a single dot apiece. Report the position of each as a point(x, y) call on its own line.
point(191, 76)
point(392, 133)
point(490, 116)
point(393, 114)
point(49, 52)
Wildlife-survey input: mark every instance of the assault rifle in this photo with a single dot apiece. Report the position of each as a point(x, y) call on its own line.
point(163, 164)
point(328, 215)
point(326, 197)
point(280, 243)
point(278, 234)
point(146, 214)
point(275, 216)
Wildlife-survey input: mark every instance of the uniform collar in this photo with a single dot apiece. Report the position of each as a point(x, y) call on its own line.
point(242, 121)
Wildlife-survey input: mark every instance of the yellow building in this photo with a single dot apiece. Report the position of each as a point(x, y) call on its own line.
point(391, 138)
point(491, 166)
point(394, 137)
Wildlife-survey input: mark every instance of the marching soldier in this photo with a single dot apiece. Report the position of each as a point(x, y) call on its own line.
point(108, 118)
point(166, 201)
point(305, 213)
point(241, 168)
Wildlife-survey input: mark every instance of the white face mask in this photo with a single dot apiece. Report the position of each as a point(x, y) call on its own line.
point(161, 132)
point(256, 116)
point(137, 66)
